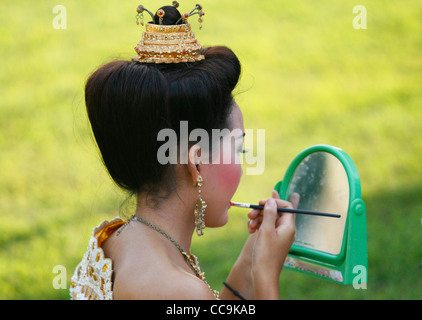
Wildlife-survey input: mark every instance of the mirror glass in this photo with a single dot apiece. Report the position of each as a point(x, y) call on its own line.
point(322, 183)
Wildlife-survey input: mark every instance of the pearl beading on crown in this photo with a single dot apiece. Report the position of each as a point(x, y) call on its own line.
point(168, 44)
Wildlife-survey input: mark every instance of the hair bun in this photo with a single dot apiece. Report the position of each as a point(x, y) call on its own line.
point(170, 17)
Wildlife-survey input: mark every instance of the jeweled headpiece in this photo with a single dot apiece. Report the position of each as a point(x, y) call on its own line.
point(168, 43)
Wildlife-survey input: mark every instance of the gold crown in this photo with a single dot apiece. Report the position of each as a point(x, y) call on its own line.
point(168, 43)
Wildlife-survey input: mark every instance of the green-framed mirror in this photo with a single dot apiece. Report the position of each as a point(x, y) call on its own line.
point(327, 180)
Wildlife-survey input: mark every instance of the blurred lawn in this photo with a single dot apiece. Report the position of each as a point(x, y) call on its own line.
point(308, 77)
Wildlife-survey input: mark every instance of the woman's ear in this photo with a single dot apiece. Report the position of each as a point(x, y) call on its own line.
point(194, 163)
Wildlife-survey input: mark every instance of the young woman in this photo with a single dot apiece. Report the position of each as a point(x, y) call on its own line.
point(129, 103)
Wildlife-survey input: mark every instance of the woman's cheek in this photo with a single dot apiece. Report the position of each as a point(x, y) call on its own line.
point(223, 180)
point(229, 177)
point(227, 171)
point(226, 178)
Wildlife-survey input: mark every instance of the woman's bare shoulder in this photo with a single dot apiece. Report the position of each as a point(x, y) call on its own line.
point(159, 283)
point(141, 271)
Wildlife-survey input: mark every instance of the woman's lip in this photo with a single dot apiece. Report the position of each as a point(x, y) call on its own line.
point(230, 205)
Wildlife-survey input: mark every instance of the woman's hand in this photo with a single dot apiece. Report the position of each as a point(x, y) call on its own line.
point(275, 233)
point(255, 215)
point(245, 275)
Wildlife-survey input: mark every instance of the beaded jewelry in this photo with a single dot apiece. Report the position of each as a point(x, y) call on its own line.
point(199, 208)
point(191, 259)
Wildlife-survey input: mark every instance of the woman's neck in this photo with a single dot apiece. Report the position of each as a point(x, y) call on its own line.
point(173, 216)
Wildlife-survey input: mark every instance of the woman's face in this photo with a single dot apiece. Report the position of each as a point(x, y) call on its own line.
point(222, 175)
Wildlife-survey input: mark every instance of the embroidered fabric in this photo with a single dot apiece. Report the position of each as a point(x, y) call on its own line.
point(92, 277)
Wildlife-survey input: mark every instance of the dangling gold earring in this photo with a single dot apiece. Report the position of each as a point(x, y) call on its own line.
point(199, 208)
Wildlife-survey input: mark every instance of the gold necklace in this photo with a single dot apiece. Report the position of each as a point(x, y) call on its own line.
point(190, 258)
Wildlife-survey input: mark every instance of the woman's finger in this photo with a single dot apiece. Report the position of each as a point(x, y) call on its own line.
point(270, 214)
point(253, 213)
point(284, 217)
point(254, 224)
point(294, 199)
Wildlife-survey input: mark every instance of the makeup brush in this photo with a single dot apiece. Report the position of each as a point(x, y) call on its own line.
point(259, 207)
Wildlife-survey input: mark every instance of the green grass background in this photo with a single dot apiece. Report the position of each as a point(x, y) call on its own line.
point(308, 77)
